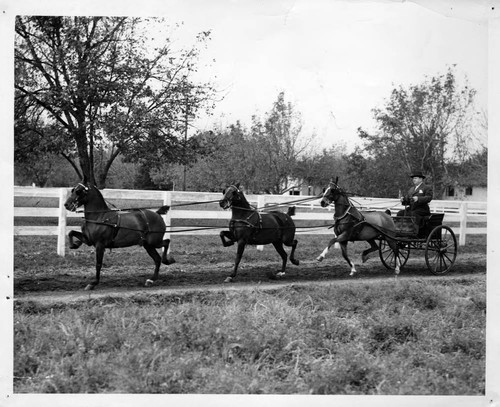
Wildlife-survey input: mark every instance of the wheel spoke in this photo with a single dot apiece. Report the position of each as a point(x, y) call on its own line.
point(388, 257)
point(441, 250)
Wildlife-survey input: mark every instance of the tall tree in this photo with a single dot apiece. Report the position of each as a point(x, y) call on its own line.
point(424, 127)
point(101, 82)
point(278, 144)
point(318, 169)
point(262, 158)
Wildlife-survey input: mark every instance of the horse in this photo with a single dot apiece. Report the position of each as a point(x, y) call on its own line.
point(352, 225)
point(249, 226)
point(106, 228)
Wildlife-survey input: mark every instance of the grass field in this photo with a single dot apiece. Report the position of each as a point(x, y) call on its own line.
point(315, 332)
point(392, 337)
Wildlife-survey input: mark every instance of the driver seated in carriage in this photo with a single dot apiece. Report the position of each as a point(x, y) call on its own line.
point(417, 200)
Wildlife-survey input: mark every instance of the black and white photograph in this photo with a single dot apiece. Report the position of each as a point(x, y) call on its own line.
point(242, 201)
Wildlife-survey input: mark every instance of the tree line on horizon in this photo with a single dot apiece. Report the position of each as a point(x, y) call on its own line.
point(94, 98)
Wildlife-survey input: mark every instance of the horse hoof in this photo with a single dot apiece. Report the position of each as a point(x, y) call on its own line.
point(169, 261)
point(295, 262)
point(364, 259)
point(280, 274)
point(149, 283)
point(319, 258)
point(228, 280)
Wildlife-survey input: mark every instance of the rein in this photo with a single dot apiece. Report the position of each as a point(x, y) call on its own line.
point(336, 219)
point(383, 231)
point(144, 207)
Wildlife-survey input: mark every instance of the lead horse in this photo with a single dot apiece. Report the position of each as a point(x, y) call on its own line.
point(106, 228)
point(352, 225)
point(249, 226)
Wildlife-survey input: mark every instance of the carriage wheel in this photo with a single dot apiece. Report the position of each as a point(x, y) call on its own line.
point(387, 255)
point(440, 250)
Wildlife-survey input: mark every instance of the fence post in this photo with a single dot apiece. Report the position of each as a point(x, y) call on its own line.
point(463, 223)
point(61, 225)
point(261, 202)
point(167, 200)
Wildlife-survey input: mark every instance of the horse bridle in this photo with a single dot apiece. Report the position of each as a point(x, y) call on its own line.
point(76, 202)
point(252, 211)
point(229, 201)
point(349, 205)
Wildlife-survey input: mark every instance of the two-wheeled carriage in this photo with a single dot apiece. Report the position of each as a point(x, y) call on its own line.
point(438, 242)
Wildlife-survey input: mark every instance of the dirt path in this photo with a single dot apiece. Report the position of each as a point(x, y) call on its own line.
point(66, 297)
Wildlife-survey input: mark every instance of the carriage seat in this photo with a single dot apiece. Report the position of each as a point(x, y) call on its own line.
point(430, 222)
point(407, 225)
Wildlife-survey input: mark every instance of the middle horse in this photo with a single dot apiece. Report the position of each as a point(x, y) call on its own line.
point(352, 225)
point(248, 226)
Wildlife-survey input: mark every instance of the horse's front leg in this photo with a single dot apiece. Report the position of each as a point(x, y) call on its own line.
point(322, 256)
point(239, 255)
point(99, 255)
point(227, 234)
point(79, 236)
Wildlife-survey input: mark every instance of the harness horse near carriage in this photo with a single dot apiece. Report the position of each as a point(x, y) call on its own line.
point(396, 236)
point(392, 237)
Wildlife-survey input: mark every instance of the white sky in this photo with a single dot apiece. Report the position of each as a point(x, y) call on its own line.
point(335, 60)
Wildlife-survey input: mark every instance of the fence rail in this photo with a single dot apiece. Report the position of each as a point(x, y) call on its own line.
point(461, 212)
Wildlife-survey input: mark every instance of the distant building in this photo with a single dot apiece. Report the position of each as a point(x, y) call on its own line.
point(468, 181)
point(466, 193)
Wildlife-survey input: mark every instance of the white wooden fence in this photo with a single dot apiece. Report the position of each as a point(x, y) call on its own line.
point(456, 211)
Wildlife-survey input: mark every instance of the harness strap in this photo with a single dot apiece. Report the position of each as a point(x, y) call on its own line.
point(144, 233)
point(116, 226)
point(247, 221)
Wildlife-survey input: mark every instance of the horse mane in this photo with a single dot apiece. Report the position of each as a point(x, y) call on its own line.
point(98, 193)
point(243, 197)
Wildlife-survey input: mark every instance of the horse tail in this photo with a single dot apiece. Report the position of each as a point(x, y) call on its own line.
point(163, 210)
point(291, 211)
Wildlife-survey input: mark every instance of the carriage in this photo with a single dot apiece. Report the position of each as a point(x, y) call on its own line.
point(438, 242)
point(393, 237)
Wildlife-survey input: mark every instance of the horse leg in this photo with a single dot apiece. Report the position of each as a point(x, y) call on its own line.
point(322, 256)
point(373, 247)
point(279, 248)
point(395, 248)
point(165, 259)
point(78, 236)
point(343, 246)
point(157, 259)
point(99, 255)
point(239, 255)
point(227, 234)
point(292, 253)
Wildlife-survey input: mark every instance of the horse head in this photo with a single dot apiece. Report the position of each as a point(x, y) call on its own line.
point(332, 194)
point(231, 194)
point(78, 197)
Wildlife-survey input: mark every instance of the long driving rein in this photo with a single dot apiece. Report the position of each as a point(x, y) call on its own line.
point(360, 220)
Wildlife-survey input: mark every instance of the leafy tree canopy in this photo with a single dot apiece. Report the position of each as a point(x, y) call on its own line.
point(424, 127)
point(85, 84)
